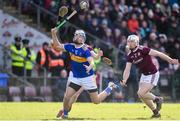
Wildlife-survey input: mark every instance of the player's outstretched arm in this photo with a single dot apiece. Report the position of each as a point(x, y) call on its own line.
point(126, 73)
point(163, 56)
point(55, 42)
point(91, 64)
point(97, 55)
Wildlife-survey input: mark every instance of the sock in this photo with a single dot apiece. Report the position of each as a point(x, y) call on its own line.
point(65, 112)
point(155, 112)
point(108, 90)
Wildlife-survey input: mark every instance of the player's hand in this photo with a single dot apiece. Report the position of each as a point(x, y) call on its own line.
point(174, 61)
point(88, 68)
point(54, 30)
point(100, 53)
point(123, 83)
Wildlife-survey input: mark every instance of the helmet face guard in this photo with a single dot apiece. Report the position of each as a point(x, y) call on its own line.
point(80, 33)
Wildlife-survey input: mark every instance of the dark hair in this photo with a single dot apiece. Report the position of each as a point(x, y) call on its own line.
point(25, 41)
point(45, 44)
point(17, 38)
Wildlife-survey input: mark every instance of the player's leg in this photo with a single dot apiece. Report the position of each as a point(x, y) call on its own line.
point(145, 86)
point(156, 99)
point(89, 84)
point(60, 113)
point(75, 96)
point(72, 88)
point(153, 80)
point(73, 99)
point(63, 113)
point(97, 98)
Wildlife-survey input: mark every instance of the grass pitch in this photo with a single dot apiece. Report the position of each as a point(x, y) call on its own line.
point(85, 111)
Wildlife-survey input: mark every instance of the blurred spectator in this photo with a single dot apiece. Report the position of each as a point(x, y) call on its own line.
point(117, 37)
point(57, 62)
point(175, 10)
point(108, 37)
point(144, 30)
point(18, 54)
point(152, 39)
point(174, 27)
point(43, 59)
point(102, 29)
point(133, 24)
point(165, 8)
point(94, 28)
point(59, 87)
point(124, 28)
point(162, 24)
point(30, 57)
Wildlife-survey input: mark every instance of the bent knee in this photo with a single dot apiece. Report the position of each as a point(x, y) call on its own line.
point(140, 94)
point(66, 97)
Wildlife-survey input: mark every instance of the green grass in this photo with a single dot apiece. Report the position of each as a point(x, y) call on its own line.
point(85, 111)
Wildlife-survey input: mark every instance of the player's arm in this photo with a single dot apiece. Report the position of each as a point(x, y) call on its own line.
point(97, 55)
point(55, 42)
point(163, 56)
point(126, 73)
point(91, 64)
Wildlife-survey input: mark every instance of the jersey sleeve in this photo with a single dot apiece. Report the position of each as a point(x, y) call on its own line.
point(68, 47)
point(129, 59)
point(90, 48)
point(146, 50)
point(87, 53)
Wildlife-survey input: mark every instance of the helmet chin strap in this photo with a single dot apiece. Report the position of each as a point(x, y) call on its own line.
point(77, 43)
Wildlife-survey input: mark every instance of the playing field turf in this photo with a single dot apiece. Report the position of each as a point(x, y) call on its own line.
point(85, 111)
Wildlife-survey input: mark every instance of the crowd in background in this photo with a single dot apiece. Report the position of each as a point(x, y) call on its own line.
point(155, 21)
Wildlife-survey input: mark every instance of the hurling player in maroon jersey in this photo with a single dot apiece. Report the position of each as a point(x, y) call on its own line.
point(141, 56)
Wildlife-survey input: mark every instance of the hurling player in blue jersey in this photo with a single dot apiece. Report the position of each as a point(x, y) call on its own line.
point(82, 68)
point(73, 99)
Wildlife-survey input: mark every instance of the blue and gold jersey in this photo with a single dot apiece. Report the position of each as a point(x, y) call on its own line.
point(78, 60)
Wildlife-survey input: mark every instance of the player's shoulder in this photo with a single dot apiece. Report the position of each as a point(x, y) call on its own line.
point(72, 44)
point(69, 45)
point(85, 47)
point(141, 47)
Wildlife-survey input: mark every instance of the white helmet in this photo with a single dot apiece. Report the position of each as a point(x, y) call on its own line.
point(134, 38)
point(81, 32)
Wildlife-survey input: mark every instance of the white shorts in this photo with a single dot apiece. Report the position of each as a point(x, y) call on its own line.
point(88, 83)
point(152, 79)
point(70, 77)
